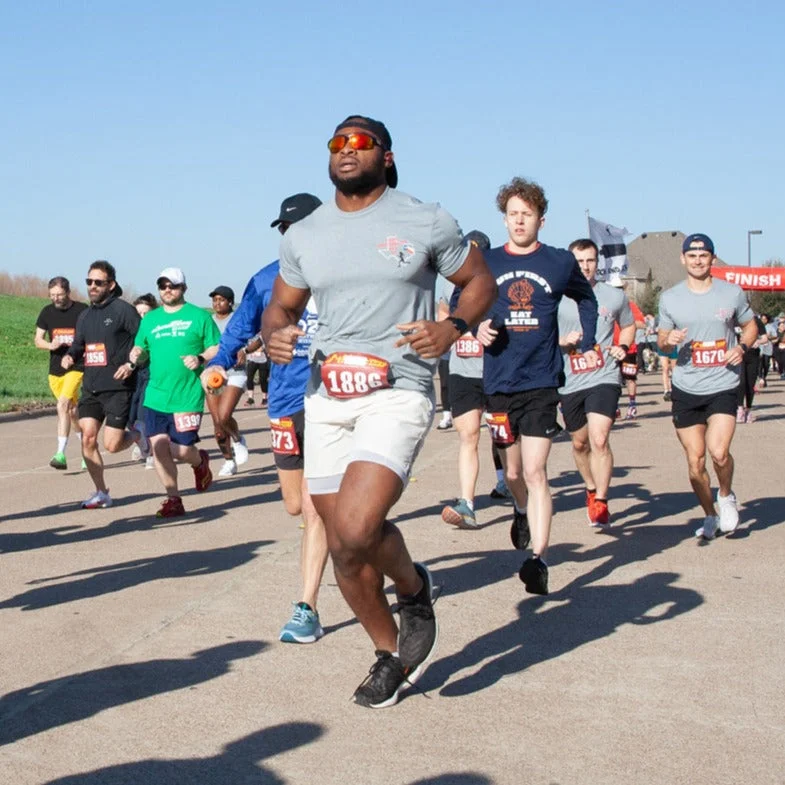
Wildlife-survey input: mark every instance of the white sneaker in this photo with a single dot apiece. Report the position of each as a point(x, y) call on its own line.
point(709, 528)
point(228, 469)
point(240, 451)
point(445, 422)
point(729, 512)
point(149, 462)
point(97, 500)
point(136, 453)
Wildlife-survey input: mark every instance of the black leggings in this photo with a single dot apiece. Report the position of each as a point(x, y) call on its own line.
point(749, 375)
point(765, 364)
point(263, 371)
point(444, 386)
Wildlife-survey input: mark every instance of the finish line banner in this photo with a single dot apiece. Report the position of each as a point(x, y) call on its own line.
point(762, 279)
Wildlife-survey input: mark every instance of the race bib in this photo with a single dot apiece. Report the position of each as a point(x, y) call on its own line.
point(95, 355)
point(468, 346)
point(501, 430)
point(629, 370)
point(348, 375)
point(709, 354)
point(185, 422)
point(63, 336)
point(579, 363)
point(284, 436)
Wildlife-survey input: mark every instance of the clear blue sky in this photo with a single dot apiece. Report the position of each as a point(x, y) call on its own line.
point(166, 133)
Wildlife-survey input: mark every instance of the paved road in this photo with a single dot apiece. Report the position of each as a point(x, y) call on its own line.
point(140, 651)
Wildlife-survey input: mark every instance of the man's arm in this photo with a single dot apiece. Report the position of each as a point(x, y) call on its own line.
point(580, 290)
point(279, 320)
point(40, 340)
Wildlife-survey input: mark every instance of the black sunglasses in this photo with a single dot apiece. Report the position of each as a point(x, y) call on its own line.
point(97, 282)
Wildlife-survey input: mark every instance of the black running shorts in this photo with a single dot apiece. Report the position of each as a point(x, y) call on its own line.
point(602, 399)
point(531, 412)
point(689, 409)
point(288, 450)
point(112, 406)
point(466, 394)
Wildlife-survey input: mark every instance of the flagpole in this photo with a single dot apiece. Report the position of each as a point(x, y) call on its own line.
point(588, 225)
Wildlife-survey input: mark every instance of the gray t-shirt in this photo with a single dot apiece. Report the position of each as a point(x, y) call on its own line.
point(709, 317)
point(612, 307)
point(368, 271)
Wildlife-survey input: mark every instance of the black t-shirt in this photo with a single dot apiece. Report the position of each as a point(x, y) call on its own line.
point(60, 327)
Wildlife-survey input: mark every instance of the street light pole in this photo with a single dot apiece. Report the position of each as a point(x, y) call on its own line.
point(750, 232)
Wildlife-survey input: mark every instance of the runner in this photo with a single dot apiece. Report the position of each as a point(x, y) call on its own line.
point(256, 365)
point(143, 304)
point(230, 441)
point(371, 258)
point(590, 394)
point(523, 364)
point(285, 401)
point(698, 317)
point(104, 335)
point(748, 376)
point(178, 338)
point(54, 332)
point(467, 401)
point(630, 364)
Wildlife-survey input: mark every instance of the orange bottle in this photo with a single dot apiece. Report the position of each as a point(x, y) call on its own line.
point(215, 382)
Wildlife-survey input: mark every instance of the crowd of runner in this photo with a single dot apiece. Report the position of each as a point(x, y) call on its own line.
point(345, 332)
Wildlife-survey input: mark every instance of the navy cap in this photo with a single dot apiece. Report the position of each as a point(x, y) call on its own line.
point(379, 130)
point(295, 208)
point(478, 238)
point(697, 242)
point(223, 291)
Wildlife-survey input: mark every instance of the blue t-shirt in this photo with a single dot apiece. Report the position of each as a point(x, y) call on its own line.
point(286, 392)
point(526, 353)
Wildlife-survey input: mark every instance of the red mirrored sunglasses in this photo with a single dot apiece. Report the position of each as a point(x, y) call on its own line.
point(355, 141)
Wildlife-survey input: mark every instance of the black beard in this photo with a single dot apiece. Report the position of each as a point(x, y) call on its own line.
point(358, 185)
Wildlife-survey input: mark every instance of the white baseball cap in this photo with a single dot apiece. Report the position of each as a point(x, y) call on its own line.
point(172, 274)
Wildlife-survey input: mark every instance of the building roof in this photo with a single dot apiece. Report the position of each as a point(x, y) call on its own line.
point(659, 252)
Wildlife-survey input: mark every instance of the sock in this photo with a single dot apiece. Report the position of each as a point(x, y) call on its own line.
point(591, 490)
point(500, 475)
point(61, 442)
point(518, 508)
point(632, 400)
point(598, 499)
point(470, 504)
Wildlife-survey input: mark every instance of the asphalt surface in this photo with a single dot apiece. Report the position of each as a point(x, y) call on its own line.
point(134, 650)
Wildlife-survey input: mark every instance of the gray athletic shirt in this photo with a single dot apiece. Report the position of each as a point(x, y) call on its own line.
point(708, 316)
point(612, 306)
point(368, 271)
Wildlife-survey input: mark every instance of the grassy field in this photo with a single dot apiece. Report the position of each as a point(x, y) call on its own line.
point(23, 368)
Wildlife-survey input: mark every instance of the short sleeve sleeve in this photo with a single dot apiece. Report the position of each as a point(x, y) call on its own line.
point(290, 269)
point(448, 246)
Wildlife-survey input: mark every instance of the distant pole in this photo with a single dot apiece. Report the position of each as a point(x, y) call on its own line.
point(750, 232)
point(588, 225)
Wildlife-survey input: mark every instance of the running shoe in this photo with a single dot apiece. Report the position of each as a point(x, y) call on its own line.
point(419, 630)
point(598, 513)
point(741, 415)
point(709, 528)
point(202, 474)
point(590, 496)
point(240, 451)
point(445, 422)
point(228, 469)
point(58, 461)
point(520, 535)
point(84, 464)
point(149, 462)
point(729, 512)
point(617, 415)
point(460, 515)
point(248, 402)
point(381, 686)
point(143, 443)
point(97, 500)
point(750, 417)
point(136, 453)
point(632, 412)
point(264, 401)
point(667, 396)
point(534, 574)
point(171, 508)
point(500, 491)
point(303, 627)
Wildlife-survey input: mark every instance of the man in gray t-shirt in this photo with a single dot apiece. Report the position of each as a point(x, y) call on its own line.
point(591, 390)
point(370, 259)
point(698, 317)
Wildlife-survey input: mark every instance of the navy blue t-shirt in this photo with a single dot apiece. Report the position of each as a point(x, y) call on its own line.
point(526, 354)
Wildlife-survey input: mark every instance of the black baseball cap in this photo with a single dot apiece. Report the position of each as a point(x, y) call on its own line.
point(697, 242)
point(478, 238)
point(295, 208)
point(223, 291)
point(379, 130)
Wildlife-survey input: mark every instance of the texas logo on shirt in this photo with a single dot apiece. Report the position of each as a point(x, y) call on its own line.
point(396, 250)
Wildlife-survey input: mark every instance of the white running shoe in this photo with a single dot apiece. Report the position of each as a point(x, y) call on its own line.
point(445, 422)
point(709, 528)
point(136, 453)
point(228, 469)
point(149, 462)
point(729, 512)
point(97, 500)
point(240, 451)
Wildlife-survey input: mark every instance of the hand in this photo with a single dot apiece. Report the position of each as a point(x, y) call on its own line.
point(617, 353)
point(207, 371)
point(191, 362)
point(241, 357)
point(573, 339)
point(123, 372)
point(486, 335)
point(735, 356)
point(429, 339)
point(280, 348)
point(134, 354)
point(67, 361)
point(675, 337)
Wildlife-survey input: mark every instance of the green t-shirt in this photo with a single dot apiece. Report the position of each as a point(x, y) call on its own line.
point(168, 337)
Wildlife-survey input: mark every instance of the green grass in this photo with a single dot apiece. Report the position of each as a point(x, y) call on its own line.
point(23, 368)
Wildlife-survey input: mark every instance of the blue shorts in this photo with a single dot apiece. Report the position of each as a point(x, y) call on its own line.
point(180, 428)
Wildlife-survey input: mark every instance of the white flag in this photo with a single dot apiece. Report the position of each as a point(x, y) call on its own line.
point(612, 264)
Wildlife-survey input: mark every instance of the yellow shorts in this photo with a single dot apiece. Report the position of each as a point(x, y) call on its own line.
point(66, 386)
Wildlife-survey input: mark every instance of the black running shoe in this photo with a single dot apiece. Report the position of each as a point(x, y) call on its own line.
point(519, 531)
point(419, 630)
point(383, 683)
point(534, 574)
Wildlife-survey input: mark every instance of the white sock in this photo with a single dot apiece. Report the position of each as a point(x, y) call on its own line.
point(470, 504)
point(79, 436)
point(518, 508)
point(61, 442)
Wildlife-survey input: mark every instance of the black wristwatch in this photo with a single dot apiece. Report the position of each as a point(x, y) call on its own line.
point(201, 359)
point(744, 347)
point(625, 347)
point(460, 325)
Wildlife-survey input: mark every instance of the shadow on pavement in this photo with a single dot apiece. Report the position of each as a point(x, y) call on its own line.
point(456, 778)
point(124, 575)
point(57, 702)
point(237, 763)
